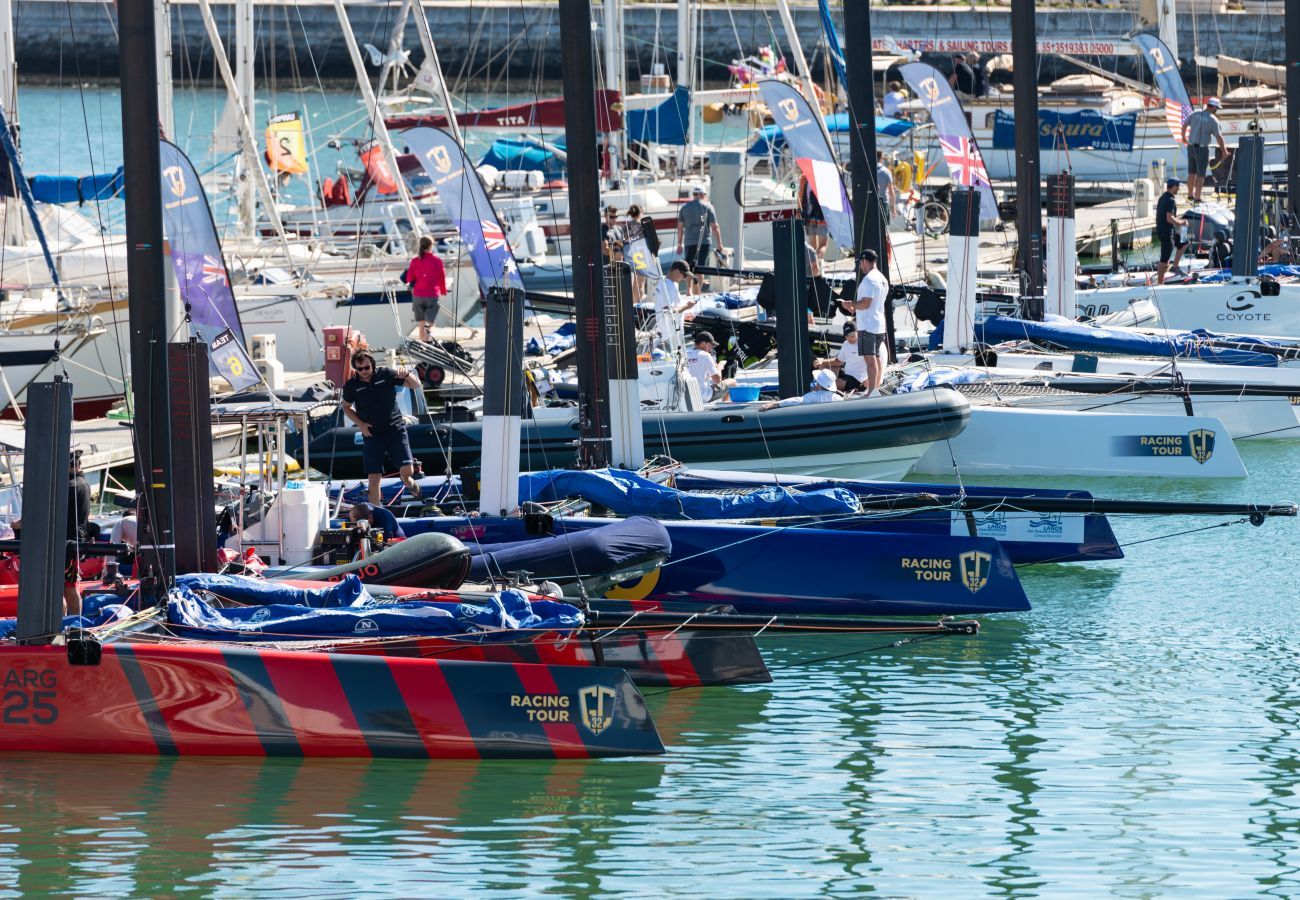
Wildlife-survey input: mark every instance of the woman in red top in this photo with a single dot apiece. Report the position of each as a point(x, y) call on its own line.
point(428, 280)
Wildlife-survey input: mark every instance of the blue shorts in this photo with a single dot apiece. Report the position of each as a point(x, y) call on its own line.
point(391, 444)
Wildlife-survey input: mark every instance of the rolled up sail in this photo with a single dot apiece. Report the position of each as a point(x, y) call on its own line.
point(812, 154)
point(200, 268)
point(965, 164)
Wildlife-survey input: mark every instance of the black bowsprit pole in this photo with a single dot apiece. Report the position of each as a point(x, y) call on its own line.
point(584, 228)
point(145, 282)
point(1029, 191)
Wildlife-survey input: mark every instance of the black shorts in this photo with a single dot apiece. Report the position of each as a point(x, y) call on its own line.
point(392, 445)
point(699, 255)
point(1168, 241)
point(850, 383)
point(869, 343)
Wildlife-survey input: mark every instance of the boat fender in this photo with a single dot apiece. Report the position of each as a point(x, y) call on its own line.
point(1269, 287)
point(985, 356)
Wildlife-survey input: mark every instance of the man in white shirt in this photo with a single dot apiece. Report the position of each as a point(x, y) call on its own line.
point(847, 363)
point(823, 391)
point(869, 309)
point(703, 366)
point(669, 303)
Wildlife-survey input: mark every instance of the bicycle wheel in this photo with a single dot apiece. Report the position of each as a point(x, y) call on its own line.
point(936, 217)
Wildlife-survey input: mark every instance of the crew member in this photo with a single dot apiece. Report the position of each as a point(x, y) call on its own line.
point(427, 277)
point(847, 363)
point(1167, 225)
point(869, 309)
point(1197, 131)
point(380, 517)
point(696, 222)
point(78, 517)
point(370, 401)
point(822, 391)
point(703, 366)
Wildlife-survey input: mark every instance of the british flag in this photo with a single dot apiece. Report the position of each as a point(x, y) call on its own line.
point(1176, 114)
point(214, 271)
point(493, 237)
point(965, 165)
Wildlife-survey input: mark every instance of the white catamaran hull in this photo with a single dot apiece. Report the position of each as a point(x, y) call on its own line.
point(999, 441)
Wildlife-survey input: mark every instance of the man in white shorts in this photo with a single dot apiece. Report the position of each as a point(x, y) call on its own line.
point(869, 311)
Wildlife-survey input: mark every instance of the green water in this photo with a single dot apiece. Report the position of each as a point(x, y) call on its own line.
point(1134, 735)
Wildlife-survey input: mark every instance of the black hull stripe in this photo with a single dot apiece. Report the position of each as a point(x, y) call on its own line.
point(158, 728)
point(378, 706)
point(265, 710)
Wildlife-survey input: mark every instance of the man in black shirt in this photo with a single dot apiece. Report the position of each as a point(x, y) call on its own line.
point(370, 400)
point(1167, 225)
point(78, 516)
point(962, 78)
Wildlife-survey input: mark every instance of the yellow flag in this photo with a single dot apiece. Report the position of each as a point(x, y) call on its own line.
point(286, 148)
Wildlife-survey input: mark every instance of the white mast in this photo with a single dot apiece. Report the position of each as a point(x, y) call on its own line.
point(614, 73)
point(377, 118)
point(805, 76)
point(1167, 25)
point(244, 91)
point(15, 222)
point(685, 58)
point(162, 15)
point(432, 63)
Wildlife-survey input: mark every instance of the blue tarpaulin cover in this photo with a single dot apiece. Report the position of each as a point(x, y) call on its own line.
point(1067, 334)
point(923, 381)
point(558, 340)
point(514, 156)
point(71, 189)
point(627, 493)
point(665, 124)
point(591, 552)
point(770, 139)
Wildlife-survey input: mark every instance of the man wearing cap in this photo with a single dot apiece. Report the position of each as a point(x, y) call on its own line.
point(869, 313)
point(1197, 131)
point(822, 390)
point(696, 221)
point(78, 517)
point(1167, 225)
point(847, 363)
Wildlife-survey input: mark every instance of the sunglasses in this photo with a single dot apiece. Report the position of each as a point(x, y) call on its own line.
point(363, 368)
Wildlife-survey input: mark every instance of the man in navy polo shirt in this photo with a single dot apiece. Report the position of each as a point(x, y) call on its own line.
point(370, 401)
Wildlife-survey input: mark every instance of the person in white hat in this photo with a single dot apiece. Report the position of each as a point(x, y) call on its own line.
point(822, 391)
point(1199, 128)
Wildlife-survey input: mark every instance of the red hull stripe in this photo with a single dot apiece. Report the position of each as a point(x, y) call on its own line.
point(378, 705)
point(144, 696)
point(564, 736)
point(265, 711)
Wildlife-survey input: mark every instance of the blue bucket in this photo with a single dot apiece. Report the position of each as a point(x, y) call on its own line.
point(743, 393)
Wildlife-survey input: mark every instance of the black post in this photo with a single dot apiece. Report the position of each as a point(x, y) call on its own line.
point(191, 447)
point(1250, 201)
point(869, 222)
point(47, 444)
point(1029, 197)
point(1291, 15)
point(147, 305)
point(579, 65)
point(790, 266)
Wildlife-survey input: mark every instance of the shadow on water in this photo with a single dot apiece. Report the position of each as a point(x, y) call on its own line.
point(146, 826)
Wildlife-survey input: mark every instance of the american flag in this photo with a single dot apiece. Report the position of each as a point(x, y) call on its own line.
point(493, 237)
point(214, 271)
point(1176, 114)
point(964, 163)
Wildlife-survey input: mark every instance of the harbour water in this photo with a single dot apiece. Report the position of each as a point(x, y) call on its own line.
point(1134, 735)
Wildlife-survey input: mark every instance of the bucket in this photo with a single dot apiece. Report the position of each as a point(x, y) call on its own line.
point(743, 393)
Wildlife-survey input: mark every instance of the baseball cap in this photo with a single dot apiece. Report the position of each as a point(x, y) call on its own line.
point(868, 254)
point(702, 336)
point(849, 328)
point(824, 378)
point(698, 189)
point(1215, 102)
point(1172, 182)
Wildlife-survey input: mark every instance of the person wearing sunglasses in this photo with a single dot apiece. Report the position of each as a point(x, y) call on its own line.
point(370, 401)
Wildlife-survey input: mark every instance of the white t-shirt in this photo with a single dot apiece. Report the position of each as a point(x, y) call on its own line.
point(889, 106)
point(702, 367)
point(855, 363)
point(875, 286)
point(666, 296)
point(816, 395)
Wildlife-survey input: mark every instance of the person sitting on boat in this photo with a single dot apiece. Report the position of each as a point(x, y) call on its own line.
point(847, 363)
point(696, 222)
point(427, 277)
point(78, 519)
point(1197, 131)
point(379, 516)
point(1167, 229)
point(822, 391)
point(370, 401)
point(703, 366)
point(894, 98)
point(869, 313)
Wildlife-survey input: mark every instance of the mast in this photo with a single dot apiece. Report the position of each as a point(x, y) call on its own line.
point(146, 287)
point(15, 223)
point(805, 75)
point(162, 13)
point(1029, 192)
point(685, 58)
point(869, 221)
point(614, 73)
point(584, 218)
point(431, 60)
point(244, 90)
point(1292, 20)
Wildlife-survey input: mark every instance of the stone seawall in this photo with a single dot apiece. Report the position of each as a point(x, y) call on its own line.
point(77, 39)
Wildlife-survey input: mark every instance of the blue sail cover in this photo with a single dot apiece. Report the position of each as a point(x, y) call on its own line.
point(626, 493)
point(71, 189)
point(812, 154)
point(1085, 129)
point(523, 156)
point(200, 268)
point(597, 551)
point(665, 124)
point(769, 139)
point(1058, 331)
point(461, 194)
point(273, 614)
